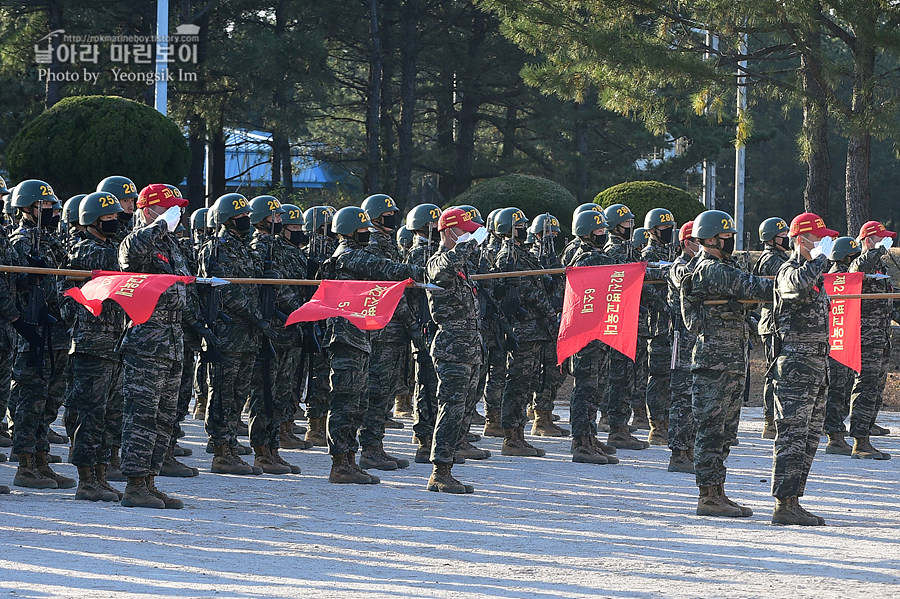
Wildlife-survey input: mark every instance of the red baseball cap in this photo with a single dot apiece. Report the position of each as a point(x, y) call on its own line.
point(159, 194)
point(458, 218)
point(810, 223)
point(686, 230)
point(873, 227)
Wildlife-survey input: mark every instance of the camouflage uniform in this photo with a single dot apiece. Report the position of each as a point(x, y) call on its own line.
point(719, 359)
point(840, 382)
point(620, 391)
point(8, 313)
point(767, 266)
point(425, 392)
point(552, 376)
point(659, 346)
point(320, 248)
point(568, 253)
point(493, 372)
point(682, 427)
point(191, 343)
point(457, 349)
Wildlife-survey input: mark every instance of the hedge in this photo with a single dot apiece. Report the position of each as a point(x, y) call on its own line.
point(643, 196)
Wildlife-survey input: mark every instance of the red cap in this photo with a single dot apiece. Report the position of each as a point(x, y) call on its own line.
point(458, 218)
point(810, 223)
point(686, 230)
point(158, 194)
point(873, 227)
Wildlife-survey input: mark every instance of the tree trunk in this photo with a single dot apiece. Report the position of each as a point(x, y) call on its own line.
point(52, 92)
point(196, 186)
point(373, 119)
point(582, 177)
point(509, 134)
point(388, 47)
point(408, 55)
point(276, 159)
point(815, 137)
point(217, 157)
point(467, 118)
point(859, 142)
point(287, 168)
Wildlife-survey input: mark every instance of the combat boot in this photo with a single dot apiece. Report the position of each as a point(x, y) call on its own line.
point(713, 504)
point(529, 412)
point(316, 432)
point(236, 454)
point(172, 467)
point(473, 437)
point(5, 437)
point(391, 423)
point(492, 426)
point(42, 466)
point(605, 449)
point(477, 419)
point(584, 452)
point(543, 425)
point(200, 407)
point(514, 444)
point(225, 462)
point(621, 438)
point(423, 451)
point(88, 487)
point(441, 480)
point(289, 440)
point(2, 457)
point(603, 424)
point(788, 511)
point(374, 457)
point(351, 459)
point(878, 431)
point(467, 451)
point(343, 473)
point(137, 495)
point(640, 421)
point(403, 406)
point(27, 474)
point(100, 473)
point(243, 429)
point(863, 450)
point(114, 469)
point(659, 432)
point(4, 490)
point(171, 503)
point(267, 463)
point(55, 438)
point(746, 512)
point(680, 461)
point(838, 445)
point(297, 429)
point(181, 452)
point(769, 430)
point(277, 457)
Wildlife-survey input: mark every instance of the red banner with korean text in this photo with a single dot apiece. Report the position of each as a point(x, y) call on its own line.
point(844, 318)
point(136, 292)
point(601, 303)
point(369, 305)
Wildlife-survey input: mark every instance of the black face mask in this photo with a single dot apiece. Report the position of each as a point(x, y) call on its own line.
point(109, 227)
point(727, 247)
point(849, 259)
point(665, 235)
point(298, 237)
point(783, 243)
point(599, 240)
point(241, 224)
point(521, 234)
point(125, 217)
point(625, 232)
point(362, 238)
point(49, 221)
point(276, 228)
point(330, 233)
point(389, 221)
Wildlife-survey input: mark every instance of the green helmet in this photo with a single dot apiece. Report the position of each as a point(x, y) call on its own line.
point(3, 190)
point(544, 220)
point(97, 204)
point(473, 212)
point(843, 247)
point(530, 238)
point(292, 215)
point(404, 237)
point(70, 209)
point(31, 191)
point(712, 222)
point(121, 187)
point(378, 204)
point(771, 227)
point(317, 217)
point(489, 223)
point(228, 206)
point(198, 219)
point(617, 214)
point(211, 217)
point(587, 222)
point(347, 220)
point(640, 237)
point(507, 219)
point(263, 206)
point(422, 215)
point(658, 217)
point(8, 208)
point(590, 206)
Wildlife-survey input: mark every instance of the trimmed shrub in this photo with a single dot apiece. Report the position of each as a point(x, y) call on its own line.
point(644, 196)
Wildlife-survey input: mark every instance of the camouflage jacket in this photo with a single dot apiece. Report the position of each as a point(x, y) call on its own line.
point(801, 304)
point(319, 249)
point(769, 263)
point(96, 335)
point(535, 319)
point(681, 268)
point(284, 265)
point(544, 250)
point(587, 255)
point(403, 325)
point(9, 311)
point(418, 255)
point(569, 251)
point(653, 297)
point(455, 309)
point(875, 315)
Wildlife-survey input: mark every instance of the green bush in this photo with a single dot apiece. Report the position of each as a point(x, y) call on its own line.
point(644, 196)
point(83, 139)
point(533, 195)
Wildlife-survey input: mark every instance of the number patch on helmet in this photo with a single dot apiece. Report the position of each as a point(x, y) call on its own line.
point(622, 211)
point(46, 190)
point(517, 216)
point(435, 213)
point(598, 219)
point(107, 201)
point(274, 204)
point(239, 203)
point(363, 217)
point(666, 218)
point(293, 214)
point(726, 224)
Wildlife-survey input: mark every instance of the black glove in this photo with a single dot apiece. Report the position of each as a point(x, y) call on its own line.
point(206, 336)
point(37, 262)
point(271, 274)
point(27, 331)
point(266, 330)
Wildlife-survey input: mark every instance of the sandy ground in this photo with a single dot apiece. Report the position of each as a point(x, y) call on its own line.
point(536, 527)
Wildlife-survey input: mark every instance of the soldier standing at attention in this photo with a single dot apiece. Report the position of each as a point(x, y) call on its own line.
point(799, 375)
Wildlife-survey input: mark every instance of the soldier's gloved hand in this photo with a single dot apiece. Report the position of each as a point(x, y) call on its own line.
point(480, 235)
point(206, 336)
point(39, 262)
point(172, 217)
point(27, 331)
point(266, 330)
point(886, 243)
point(463, 238)
point(271, 274)
point(823, 248)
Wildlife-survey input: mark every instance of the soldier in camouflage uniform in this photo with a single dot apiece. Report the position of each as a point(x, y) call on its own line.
point(773, 234)
point(720, 357)
point(640, 237)
point(875, 338)
point(403, 401)
point(349, 347)
point(126, 192)
point(799, 375)
point(8, 339)
point(572, 246)
point(493, 377)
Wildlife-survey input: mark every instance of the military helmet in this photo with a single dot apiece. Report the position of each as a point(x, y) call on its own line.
point(3, 190)
point(198, 219)
point(589, 206)
point(507, 219)
point(617, 214)
point(771, 227)
point(530, 238)
point(292, 215)
point(229, 206)
point(843, 247)
point(640, 237)
point(544, 220)
point(404, 236)
point(712, 222)
point(474, 213)
point(658, 217)
point(31, 191)
point(94, 205)
point(422, 215)
point(263, 206)
point(317, 217)
point(378, 204)
point(489, 223)
point(587, 222)
point(211, 217)
point(348, 219)
point(8, 208)
point(70, 209)
point(121, 187)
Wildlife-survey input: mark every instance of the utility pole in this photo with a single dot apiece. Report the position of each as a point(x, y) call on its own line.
point(709, 167)
point(740, 149)
point(162, 46)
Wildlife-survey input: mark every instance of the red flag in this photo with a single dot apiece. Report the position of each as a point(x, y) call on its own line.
point(844, 319)
point(601, 302)
point(369, 305)
point(136, 292)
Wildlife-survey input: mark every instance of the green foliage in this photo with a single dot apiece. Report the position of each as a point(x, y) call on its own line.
point(83, 139)
point(644, 196)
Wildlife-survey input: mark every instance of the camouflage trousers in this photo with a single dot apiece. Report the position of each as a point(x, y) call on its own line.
point(95, 400)
point(264, 427)
point(550, 380)
point(407, 375)
point(837, 405)
point(867, 393)
point(620, 390)
point(522, 372)
point(317, 385)
point(386, 363)
point(659, 362)
point(35, 397)
point(455, 391)
point(150, 389)
point(718, 369)
point(682, 428)
point(590, 368)
point(185, 390)
point(800, 387)
point(201, 377)
point(493, 378)
point(425, 395)
point(640, 373)
point(349, 378)
point(229, 385)
point(7, 357)
point(768, 397)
